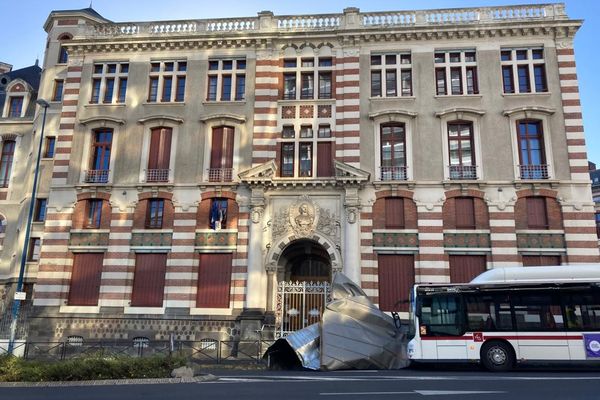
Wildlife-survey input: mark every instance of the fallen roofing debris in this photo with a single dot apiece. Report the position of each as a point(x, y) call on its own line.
point(353, 334)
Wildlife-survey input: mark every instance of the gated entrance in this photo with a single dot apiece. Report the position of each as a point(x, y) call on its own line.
point(303, 289)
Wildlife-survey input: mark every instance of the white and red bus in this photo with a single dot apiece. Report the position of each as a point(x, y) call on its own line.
point(509, 315)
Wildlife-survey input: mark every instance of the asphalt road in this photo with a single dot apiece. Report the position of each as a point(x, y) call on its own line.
point(384, 385)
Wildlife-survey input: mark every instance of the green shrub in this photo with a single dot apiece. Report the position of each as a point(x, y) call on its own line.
point(91, 367)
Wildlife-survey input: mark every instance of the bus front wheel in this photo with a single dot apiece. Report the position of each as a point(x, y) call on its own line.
point(497, 356)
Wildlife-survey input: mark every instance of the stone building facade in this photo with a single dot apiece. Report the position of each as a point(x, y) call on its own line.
point(201, 163)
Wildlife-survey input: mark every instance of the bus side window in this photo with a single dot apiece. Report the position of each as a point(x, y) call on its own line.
point(441, 315)
point(537, 312)
point(488, 312)
point(582, 311)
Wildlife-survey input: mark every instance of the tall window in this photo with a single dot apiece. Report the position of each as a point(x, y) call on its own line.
point(49, 147)
point(298, 158)
point(537, 213)
point(8, 152)
point(100, 161)
point(226, 80)
point(93, 213)
point(33, 251)
point(394, 213)
point(532, 157)
point(218, 214)
point(58, 90)
point(307, 71)
point(461, 150)
point(456, 72)
point(167, 81)
point(465, 212)
point(393, 152)
point(15, 107)
point(391, 75)
point(109, 83)
point(39, 214)
point(149, 280)
point(160, 155)
point(154, 213)
point(523, 70)
point(221, 154)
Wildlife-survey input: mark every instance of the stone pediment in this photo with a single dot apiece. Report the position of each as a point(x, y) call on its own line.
point(259, 174)
point(346, 173)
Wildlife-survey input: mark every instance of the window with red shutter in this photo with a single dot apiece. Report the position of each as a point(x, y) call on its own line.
point(463, 268)
point(221, 154)
point(465, 212)
point(537, 215)
point(214, 280)
point(85, 279)
point(160, 155)
point(149, 280)
point(324, 159)
point(394, 213)
point(396, 278)
point(540, 260)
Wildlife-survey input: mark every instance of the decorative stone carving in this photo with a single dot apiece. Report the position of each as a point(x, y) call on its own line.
point(328, 224)
point(351, 214)
point(304, 216)
point(256, 214)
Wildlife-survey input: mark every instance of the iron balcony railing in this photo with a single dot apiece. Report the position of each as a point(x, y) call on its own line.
point(393, 173)
point(220, 174)
point(157, 175)
point(96, 175)
point(460, 172)
point(534, 171)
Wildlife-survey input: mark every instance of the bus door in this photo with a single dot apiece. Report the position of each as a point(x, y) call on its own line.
point(540, 327)
point(442, 327)
point(582, 319)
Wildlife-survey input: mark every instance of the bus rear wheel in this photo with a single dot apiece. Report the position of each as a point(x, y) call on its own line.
point(497, 356)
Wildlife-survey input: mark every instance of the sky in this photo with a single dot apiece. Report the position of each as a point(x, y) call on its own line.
point(22, 37)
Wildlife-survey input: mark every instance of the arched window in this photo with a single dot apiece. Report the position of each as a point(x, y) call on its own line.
point(63, 56)
point(100, 157)
point(6, 161)
point(221, 154)
point(532, 157)
point(159, 157)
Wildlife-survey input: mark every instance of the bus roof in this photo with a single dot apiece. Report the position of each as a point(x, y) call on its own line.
point(561, 273)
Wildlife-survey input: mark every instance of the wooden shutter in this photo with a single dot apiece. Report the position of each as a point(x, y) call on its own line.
point(464, 268)
point(465, 213)
point(214, 280)
point(537, 217)
point(394, 212)
point(228, 147)
point(216, 151)
point(396, 278)
point(154, 148)
point(324, 159)
point(149, 280)
point(537, 261)
point(164, 152)
point(85, 279)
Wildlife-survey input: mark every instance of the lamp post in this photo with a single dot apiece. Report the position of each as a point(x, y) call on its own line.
point(17, 301)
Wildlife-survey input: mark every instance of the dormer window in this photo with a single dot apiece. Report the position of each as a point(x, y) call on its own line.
point(15, 108)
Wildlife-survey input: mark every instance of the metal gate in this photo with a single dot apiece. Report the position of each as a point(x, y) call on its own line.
point(300, 304)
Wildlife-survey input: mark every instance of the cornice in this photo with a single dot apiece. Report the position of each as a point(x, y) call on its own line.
point(224, 117)
point(527, 110)
point(161, 119)
point(102, 120)
point(459, 111)
point(390, 114)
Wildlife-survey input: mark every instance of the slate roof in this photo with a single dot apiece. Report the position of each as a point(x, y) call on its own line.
point(31, 75)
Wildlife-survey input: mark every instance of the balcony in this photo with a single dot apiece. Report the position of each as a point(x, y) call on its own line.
point(533, 171)
point(220, 174)
point(96, 176)
point(157, 175)
point(462, 172)
point(393, 173)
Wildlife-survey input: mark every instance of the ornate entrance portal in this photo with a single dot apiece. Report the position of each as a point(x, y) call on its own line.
point(304, 285)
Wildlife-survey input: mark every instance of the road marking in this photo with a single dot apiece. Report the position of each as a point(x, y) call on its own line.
point(363, 393)
point(454, 392)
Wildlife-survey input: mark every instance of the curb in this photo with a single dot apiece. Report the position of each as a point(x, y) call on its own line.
point(107, 382)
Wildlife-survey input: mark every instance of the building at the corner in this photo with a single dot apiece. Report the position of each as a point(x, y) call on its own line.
point(202, 165)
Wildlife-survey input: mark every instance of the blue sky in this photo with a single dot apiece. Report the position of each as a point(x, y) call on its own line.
point(23, 37)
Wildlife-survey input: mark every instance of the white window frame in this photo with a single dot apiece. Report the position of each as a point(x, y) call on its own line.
point(530, 62)
point(239, 130)
point(148, 125)
point(26, 94)
point(299, 70)
point(398, 67)
point(161, 74)
point(91, 125)
point(219, 72)
point(447, 66)
point(104, 75)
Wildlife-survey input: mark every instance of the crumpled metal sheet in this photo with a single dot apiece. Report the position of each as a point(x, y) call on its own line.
point(353, 334)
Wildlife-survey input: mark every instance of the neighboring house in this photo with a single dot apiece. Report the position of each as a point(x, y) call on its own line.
point(202, 166)
point(18, 93)
point(595, 177)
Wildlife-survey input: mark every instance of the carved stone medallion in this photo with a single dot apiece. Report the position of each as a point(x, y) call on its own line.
point(304, 217)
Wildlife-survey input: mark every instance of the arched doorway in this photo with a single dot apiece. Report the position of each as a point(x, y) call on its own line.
point(303, 290)
point(305, 260)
